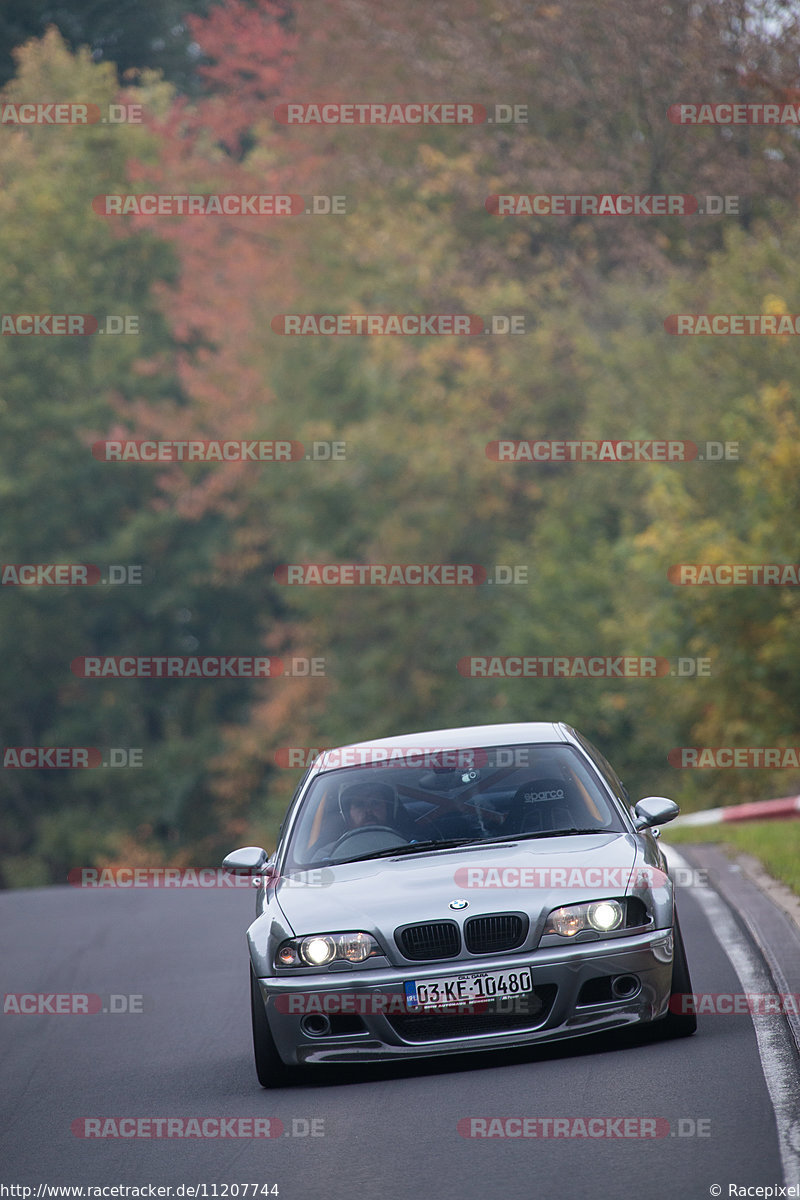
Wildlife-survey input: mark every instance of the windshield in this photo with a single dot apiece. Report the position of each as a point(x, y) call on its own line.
point(417, 803)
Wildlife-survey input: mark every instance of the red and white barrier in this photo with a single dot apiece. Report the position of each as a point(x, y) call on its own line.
point(758, 810)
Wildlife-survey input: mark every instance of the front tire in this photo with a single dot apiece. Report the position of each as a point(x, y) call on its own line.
point(678, 1023)
point(270, 1068)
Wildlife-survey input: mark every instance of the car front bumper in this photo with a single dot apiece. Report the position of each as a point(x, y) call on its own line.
point(568, 999)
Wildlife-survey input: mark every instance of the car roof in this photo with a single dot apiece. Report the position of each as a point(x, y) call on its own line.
point(462, 737)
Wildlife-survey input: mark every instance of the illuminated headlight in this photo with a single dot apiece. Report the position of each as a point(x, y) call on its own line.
point(320, 949)
point(317, 951)
point(601, 916)
point(605, 915)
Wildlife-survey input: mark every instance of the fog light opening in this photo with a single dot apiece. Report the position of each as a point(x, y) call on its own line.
point(315, 1025)
point(625, 987)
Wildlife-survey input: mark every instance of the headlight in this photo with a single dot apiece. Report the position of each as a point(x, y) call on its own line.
point(566, 921)
point(355, 947)
point(319, 949)
point(600, 915)
point(605, 915)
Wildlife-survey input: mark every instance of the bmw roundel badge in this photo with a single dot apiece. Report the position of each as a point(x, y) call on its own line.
point(459, 904)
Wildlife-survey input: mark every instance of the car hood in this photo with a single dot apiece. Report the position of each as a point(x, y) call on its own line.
point(379, 895)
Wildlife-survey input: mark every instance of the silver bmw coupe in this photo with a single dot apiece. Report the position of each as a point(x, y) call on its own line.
point(461, 889)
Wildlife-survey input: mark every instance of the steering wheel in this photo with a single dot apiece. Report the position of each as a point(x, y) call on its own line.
point(399, 840)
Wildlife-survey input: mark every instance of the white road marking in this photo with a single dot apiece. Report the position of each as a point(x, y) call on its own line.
point(774, 1040)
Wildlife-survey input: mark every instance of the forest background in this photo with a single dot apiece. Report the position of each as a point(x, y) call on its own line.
point(415, 414)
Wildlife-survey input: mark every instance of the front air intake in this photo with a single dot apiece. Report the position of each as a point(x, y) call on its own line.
point(436, 939)
point(496, 933)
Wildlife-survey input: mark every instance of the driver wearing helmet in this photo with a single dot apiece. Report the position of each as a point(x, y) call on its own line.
point(368, 804)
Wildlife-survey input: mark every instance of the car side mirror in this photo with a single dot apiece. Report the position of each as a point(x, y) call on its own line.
point(250, 860)
point(654, 810)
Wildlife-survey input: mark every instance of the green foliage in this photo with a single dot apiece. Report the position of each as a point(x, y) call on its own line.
point(416, 414)
point(62, 505)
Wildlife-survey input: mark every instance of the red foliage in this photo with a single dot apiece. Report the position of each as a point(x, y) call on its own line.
point(233, 271)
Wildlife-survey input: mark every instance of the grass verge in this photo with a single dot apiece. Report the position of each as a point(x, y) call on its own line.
point(776, 844)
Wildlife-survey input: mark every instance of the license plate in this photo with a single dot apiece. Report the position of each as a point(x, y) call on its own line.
point(464, 989)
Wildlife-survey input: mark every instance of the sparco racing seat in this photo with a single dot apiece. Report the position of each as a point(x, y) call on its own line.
point(544, 804)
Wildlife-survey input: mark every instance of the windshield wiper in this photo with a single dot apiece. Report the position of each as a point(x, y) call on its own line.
point(411, 848)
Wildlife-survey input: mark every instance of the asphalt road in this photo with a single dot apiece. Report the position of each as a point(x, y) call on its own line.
point(379, 1132)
